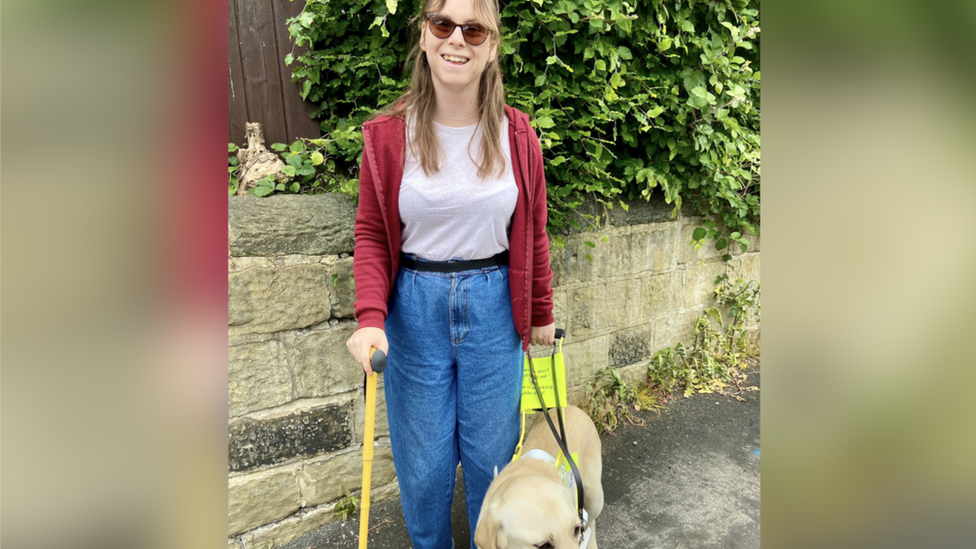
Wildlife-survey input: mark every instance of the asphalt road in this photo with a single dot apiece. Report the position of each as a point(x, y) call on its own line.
point(686, 479)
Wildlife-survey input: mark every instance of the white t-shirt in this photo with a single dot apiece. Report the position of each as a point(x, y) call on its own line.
point(453, 213)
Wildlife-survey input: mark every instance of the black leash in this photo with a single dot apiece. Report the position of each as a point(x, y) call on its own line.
point(561, 440)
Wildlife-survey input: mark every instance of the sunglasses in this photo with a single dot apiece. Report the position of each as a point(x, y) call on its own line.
point(443, 27)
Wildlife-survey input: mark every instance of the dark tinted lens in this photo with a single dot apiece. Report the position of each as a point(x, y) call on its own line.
point(474, 34)
point(442, 27)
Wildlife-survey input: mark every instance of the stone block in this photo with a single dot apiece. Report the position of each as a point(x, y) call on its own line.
point(630, 346)
point(258, 377)
point(381, 426)
point(560, 307)
point(569, 264)
point(747, 267)
point(287, 224)
point(661, 294)
point(671, 330)
point(700, 283)
point(633, 374)
point(601, 307)
point(327, 479)
point(300, 434)
point(299, 524)
point(323, 366)
point(624, 301)
point(343, 289)
point(647, 248)
point(642, 212)
point(270, 296)
point(262, 497)
point(588, 313)
point(583, 358)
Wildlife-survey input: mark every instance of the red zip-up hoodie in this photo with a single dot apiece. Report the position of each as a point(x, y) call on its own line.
point(377, 257)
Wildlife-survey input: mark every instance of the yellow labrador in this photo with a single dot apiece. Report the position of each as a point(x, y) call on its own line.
point(528, 506)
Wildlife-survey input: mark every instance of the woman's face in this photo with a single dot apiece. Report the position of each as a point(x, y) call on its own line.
point(455, 64)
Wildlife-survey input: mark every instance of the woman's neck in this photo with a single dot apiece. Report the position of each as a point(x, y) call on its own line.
point(457, 109)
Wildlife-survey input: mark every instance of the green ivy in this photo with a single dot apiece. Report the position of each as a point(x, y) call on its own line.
point(310, 167)
point(629, 98)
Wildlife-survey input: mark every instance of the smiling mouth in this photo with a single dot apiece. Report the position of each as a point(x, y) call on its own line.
point(455, 59)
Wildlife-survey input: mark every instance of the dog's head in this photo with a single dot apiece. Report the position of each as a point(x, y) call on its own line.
point(529, 513)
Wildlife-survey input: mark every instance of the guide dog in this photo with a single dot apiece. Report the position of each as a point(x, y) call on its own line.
point(528, 505)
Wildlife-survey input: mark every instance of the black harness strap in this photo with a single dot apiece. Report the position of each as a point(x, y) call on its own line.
point(561, 440)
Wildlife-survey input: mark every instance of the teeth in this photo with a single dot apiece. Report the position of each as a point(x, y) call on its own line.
point(455, 59)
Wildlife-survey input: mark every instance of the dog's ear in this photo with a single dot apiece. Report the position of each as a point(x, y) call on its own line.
point(486, 535)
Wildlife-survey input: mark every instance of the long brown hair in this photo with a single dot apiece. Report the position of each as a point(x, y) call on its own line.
point(420, 98)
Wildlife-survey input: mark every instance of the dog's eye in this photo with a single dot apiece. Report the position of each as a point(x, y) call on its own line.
point(544, 545)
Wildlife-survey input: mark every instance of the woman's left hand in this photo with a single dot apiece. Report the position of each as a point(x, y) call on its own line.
point(543, 335)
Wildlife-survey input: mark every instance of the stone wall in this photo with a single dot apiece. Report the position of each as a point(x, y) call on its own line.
point(295, 396)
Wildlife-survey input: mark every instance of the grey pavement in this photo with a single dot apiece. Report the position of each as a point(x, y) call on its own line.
point(686, 479)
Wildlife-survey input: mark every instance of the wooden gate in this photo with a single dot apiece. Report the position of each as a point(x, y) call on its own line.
point(260, 87)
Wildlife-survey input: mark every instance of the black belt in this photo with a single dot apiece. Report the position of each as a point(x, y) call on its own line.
point(454, 266)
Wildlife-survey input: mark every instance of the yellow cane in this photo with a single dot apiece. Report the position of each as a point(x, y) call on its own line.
point(377, 360)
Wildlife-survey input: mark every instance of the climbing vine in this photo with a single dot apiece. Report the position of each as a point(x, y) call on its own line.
point(630, 98)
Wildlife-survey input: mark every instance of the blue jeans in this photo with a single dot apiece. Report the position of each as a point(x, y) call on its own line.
point(453, 383)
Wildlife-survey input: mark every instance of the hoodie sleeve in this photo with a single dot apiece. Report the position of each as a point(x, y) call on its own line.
point(541, 271)
point(371, 256)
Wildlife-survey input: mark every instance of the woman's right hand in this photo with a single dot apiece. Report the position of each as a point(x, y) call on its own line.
point(360, 343)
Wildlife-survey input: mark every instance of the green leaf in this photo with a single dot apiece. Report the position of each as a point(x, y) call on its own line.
point(392, 6)
point(306, 87)
point(699, 91)
point(297, 146)
point(600, 65)
point(589, 258)
point(655, 112)
point(687, 26)
point(721, 244)
point(615, 80)
point(605, 238)
point(317, 158)
point(231, 147)
point(289, 171)
point(698, 234)
point(278, 146)
point(557, 161)
point(540, 80)
point(289, 59)
point(589, 244)
point(664, 45)
point(624, 52)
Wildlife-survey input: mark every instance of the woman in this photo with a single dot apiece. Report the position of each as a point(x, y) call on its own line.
point(451, 265)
